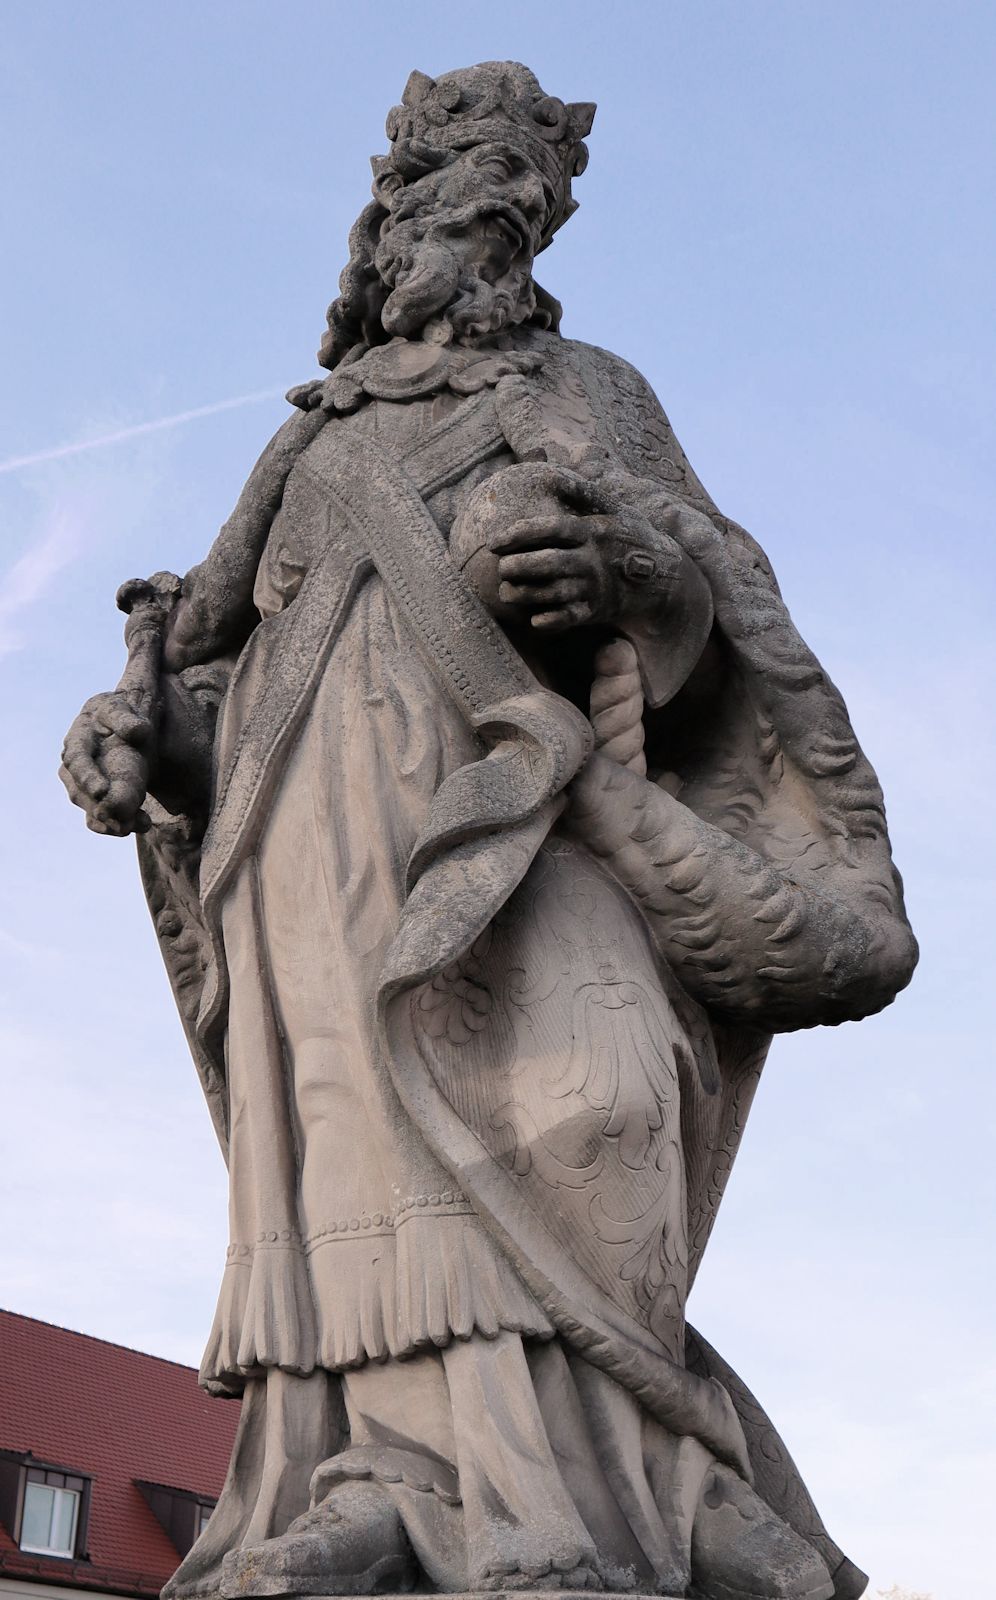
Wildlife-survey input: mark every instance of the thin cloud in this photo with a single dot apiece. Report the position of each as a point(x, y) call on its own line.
point(58, 452)
point(32, 575)
point(21, 948)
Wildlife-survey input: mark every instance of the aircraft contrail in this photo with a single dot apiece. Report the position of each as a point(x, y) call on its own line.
point(58, 451)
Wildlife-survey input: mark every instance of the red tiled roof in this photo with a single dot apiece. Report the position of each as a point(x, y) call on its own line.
point(113, 1415)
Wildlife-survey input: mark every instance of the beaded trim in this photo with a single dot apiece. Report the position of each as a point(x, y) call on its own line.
point(447, 1202)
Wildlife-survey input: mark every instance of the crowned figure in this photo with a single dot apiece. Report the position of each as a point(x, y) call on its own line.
point(493, 816)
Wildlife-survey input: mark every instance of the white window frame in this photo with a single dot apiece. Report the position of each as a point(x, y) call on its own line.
point(52, 1489)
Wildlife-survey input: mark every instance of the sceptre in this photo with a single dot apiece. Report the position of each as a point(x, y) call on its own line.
point(147, 602)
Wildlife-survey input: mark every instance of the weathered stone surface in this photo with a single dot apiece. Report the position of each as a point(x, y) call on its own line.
point(493, 816)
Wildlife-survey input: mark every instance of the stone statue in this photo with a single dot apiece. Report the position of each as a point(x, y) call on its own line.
point(493, 815)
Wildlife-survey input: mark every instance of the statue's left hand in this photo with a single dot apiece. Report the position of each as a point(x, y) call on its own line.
point(574, 563)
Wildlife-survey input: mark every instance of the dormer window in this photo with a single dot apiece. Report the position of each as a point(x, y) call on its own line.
point(182, 1513)
point(50, 1513)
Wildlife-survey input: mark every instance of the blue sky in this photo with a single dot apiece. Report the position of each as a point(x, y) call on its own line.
point(789, 225)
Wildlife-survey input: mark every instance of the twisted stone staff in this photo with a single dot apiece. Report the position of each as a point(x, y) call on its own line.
point(617, 706)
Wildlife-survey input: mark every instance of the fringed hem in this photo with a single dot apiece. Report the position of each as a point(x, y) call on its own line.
point(366, 1298)
point(265, 1317)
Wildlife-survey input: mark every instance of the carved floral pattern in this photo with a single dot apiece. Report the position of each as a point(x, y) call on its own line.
point(456, 1004)
point(622, 1063)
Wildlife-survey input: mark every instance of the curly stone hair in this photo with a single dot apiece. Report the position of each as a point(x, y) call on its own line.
point(436, 121)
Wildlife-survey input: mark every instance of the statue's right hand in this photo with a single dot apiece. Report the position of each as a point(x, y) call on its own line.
point(105, 763)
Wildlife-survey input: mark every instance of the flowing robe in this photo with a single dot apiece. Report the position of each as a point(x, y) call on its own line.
point(473, 1100)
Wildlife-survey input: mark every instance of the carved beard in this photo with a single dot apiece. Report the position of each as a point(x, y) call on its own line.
point(427, 263)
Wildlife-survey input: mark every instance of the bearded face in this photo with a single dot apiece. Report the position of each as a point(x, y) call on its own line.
point(457, 247)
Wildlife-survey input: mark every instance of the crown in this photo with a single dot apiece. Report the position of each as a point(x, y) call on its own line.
point(495, 102)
